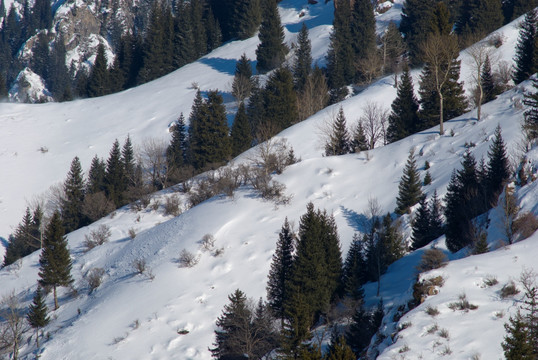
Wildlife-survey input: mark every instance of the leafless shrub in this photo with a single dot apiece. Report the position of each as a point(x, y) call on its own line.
point(432, 329)
point(208, 242)
point(97, 206)
point(153, 158)
point(132, 233)
point(446, 351)
point(404, 348)
point(171, 205)
point(188, 259)
point(432, 259)
point(502, 75)
point(490, 280)
point(496, 39)
point(97, 237)
point(43, 149)
point(269, 189)
point(203, 191)
point(218, 252)
point(509, 289)
point(140, 266)
point(462, 304)
point(314, 97)
point(499, 314)
point(432, 311)
point(524, 226)
point(274, 155)
point(444, 334)
point(94, 278)
point(427, 287)
point(227, 180)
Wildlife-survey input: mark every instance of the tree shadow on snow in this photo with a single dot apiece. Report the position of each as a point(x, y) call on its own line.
point(226, 66)
point(359, 222)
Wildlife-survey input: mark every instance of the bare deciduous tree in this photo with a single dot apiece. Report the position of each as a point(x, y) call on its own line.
point(369, 67)
point(12, 327)
point(479, 52)
point(439, 51)
point(241, 87)
point(314, 97)
point(153, 159)
point(374, 120)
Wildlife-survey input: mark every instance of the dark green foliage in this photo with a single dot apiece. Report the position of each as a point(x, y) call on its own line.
point(128, 160)
point(208, 131)
point(489, 87)
point(281, 269)
point(26, 238)
point(55, 261)
point(239, 18)
point(243, 84)
point(71, 204)
point(498, 171)
point(37, 313)
point(213, 32)
point(114, 179)
point(338, 142)
point(427, 179)
point(40, 59)
point(363, 326)
point(58, 80)
point(303, 59)
point(464, 201)
point(359, 142)
point(404, 119)
point(421, 225)
point(98, 81)
point(479, 17)
point(514, 8)
point(480, 245)
point(409, 189)
point(272, 50)
point(176, 151)
point(184, 48)
point(363, 35)
point(3, 87)
point(392, 242)
point(353, 270)
point(241, 133)
point(280, 101)
point(242, 334)
point(256, 110)
point(340, 62)
point(393, 49)
point(524, 60)
point(316, 274)
point(96, 176)
point(516, 344)
point(340, 350)
point(417, 25)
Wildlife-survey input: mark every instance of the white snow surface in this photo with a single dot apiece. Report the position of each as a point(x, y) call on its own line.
point(131, 316)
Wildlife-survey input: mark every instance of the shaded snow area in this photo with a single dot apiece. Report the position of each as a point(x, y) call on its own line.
point(142, 316)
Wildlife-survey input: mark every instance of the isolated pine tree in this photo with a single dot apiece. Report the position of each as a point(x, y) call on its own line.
point(129, 162)
point(37, 314)
point(409, 189)
point(272, 50)
point(516, 344)
point(404, 119)
point(175, 153)
point(241, 133)
point(338, 142)
point(71, 205)
point(303, 59)
point(281, 270)
point(524, 59)
point(530, 124)
point(98, 81)
point(55, 261)
point(498, 172)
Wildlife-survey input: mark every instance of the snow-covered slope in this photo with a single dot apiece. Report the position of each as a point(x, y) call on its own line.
point(133, 316)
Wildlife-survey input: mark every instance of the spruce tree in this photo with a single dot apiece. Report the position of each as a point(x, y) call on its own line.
point(280, 272)
point(361, 330)
point(353, 269)
point(515, 8)
point(339, 350)
point(479, 17)
point(303, 59)
point(184, 49)
point(417, 25)
point(58, 75)
point(243, 83)
point(241, 133)
point(175, 153)
point(129, 162)
point(524, 59)
point(436, 216)
point(98, 81)
point(488, 84)
point(199, 33)
point(421, 225)
point(497, 172)
point(409, 189)
point(272, 50)
point(516, 344)
point(71, 205)
point(404, 119)
point(359, 142)
point(530, 124)
point(280, 101)
point(96, 176)
point(245, 19)
point(37, 314)
point(55, 261)
point(362, 30)
point(338, 142)
point(114, 179)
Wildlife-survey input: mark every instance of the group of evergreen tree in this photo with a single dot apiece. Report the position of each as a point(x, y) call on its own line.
point(27, 237)
point(340, 141)
point(353, 40)
point(428, 222)
point(473, 190)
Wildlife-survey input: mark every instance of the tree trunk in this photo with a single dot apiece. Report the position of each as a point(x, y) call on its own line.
point(441, 128)
point(55, 298)
point(479, 108)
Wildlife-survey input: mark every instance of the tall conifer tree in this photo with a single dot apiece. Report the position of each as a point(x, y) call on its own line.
point(409, 189)
point(241, 133)
point(404, 119)
point(71, 205)
point(98, 81)
point(55, 261)
point(37, 314)
point(524, 60)
point(272, 50)
point(303, 59)
point(339, 141)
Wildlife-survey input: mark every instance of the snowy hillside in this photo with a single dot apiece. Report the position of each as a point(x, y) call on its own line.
point(143, 316)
